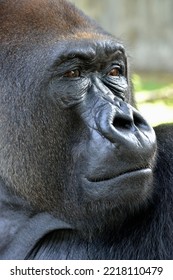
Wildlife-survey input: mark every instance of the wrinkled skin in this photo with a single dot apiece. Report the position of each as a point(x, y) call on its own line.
point(78, 161)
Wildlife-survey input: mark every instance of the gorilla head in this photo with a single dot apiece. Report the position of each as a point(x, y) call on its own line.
point(71, 142)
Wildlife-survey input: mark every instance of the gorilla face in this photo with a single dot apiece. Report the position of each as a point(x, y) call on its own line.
point(71, 142)
point(115, 142)
point(113, 152)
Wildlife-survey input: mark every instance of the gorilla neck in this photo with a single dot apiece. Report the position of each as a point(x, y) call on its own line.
point(105, 220)
point(21, 226)
point(20, 240)
point(86, 244)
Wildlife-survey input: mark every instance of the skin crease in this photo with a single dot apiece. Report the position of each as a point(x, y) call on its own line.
point(81, 176)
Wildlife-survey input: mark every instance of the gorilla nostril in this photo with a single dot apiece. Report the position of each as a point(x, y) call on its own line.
point(139, 121)
point(129, 118)
point(122, 123)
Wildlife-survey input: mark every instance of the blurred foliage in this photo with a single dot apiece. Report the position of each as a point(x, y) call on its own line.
point(154, 97)
point(143, 84)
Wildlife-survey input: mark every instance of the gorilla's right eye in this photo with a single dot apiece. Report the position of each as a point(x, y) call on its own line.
point(114, 72)
point(72, 74)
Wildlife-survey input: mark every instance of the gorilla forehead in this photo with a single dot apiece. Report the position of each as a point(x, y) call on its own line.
point(38, 17)
point(51, 30)
point(87, 50)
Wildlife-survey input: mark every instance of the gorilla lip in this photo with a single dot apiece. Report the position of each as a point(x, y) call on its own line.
point(121, 175)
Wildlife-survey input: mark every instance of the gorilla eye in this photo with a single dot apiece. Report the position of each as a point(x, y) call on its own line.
point(72, 74)
point(114, 72)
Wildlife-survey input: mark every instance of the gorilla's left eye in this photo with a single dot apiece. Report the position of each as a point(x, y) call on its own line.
point(72, 74)
point(114, 72)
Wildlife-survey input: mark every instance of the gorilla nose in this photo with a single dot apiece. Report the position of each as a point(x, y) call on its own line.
point(127, 118)
point(122, 124)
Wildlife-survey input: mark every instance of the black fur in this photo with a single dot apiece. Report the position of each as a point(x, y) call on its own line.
point(81, 174)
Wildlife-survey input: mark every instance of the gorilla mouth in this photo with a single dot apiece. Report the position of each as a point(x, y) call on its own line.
point(117, 176)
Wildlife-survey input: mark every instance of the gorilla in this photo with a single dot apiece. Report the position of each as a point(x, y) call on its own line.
point(82, 173)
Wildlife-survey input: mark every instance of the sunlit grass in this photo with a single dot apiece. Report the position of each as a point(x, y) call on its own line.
point(154, 99)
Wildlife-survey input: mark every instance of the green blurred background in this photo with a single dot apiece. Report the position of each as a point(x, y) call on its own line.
point(146, 29)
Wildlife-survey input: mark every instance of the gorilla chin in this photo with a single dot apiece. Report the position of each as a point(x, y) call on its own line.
point(106, 204)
